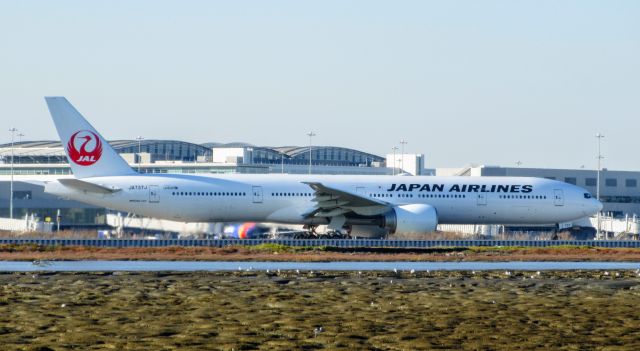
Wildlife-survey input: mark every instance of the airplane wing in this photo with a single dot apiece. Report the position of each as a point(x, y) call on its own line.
point(333, 202)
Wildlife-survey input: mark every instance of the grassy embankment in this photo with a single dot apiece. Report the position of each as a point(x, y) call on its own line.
point(274, 252)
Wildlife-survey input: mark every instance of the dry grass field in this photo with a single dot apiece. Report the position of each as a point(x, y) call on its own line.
point(272, 252)
point(320, 311)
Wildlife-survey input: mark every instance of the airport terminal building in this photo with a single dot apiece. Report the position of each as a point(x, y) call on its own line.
point(166, 152)
point(619, 190)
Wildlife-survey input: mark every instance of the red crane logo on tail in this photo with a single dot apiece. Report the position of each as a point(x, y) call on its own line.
point(86, 140)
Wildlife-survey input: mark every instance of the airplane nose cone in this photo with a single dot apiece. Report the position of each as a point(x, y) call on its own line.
point(592, 207)
point(598, 206)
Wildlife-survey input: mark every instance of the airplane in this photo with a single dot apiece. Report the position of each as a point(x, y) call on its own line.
point(366, 203)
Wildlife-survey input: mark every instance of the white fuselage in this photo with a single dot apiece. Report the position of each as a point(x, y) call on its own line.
point(287, 199)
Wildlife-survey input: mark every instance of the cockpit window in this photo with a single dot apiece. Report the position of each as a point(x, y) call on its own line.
point(587, 195)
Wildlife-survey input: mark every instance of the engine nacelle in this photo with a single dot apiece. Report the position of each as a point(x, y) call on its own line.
point(411, 219)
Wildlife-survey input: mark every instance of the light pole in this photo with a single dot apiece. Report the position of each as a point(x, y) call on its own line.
point(403, 143)
point(310, 135)
point(139, 139)
point(20, 135)
point(395, 148)
point(13, 132)
point(600, 157)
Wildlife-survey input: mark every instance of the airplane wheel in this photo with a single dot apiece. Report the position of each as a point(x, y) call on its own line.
point(334, 234)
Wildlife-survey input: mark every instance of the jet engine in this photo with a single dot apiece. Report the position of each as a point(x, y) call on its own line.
point(411, 219)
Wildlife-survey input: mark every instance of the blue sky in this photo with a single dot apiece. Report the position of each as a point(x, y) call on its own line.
point(485, 82)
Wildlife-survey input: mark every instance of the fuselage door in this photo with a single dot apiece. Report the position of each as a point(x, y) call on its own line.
point(558, 197)
point(257, 194)
point(154, 194)
point(482, 199)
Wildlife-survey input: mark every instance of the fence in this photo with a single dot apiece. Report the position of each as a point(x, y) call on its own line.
point(341, 243)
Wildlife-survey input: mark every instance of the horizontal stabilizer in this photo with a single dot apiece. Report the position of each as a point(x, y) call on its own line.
point(87, 187)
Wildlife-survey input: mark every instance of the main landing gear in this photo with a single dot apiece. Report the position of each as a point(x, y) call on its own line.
point(311, 232)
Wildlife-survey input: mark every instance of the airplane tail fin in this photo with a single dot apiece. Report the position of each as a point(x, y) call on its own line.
point(89, 154)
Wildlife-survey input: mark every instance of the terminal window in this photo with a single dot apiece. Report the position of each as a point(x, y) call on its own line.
point(611, 182)
point(590, 182)
point(570, 180)
point(631, 183)
point(21, 195)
